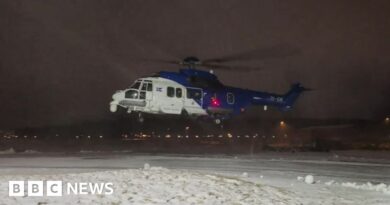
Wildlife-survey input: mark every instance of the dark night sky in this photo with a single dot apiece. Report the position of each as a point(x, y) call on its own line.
point(60, 61)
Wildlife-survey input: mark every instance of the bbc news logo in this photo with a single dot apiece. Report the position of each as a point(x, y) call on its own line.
point(57, 188)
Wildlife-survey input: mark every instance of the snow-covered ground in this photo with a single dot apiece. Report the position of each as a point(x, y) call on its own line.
point(158, 185)
point(267, 178)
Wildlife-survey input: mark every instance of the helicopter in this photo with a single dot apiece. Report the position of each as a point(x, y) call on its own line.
point(197, 93)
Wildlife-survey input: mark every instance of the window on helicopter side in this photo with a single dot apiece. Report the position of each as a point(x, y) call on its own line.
point(170, 92)
point(230, 98)
point(195, 94)
point(179, 93)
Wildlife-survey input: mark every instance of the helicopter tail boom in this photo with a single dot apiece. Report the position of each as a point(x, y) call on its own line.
point(292, 95)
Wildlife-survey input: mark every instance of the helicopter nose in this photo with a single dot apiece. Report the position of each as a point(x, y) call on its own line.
point(113, 107)
point(117, 96)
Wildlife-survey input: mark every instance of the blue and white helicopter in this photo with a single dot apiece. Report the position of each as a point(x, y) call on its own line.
point(196, 93)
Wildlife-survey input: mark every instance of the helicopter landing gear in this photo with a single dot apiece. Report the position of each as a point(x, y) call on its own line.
point(221, 120)
point(184, 114)
point(218, 119)
point(219, 123)
point(140, 117)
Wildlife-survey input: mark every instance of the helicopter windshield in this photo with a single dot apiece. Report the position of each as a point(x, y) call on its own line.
point(131, 94)
point(136, 85)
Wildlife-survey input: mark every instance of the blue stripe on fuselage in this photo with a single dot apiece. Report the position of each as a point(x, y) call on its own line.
point(177, 77)
point(243, 97)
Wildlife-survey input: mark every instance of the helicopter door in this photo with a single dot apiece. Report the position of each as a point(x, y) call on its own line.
point(193, 103)
point(173, 103)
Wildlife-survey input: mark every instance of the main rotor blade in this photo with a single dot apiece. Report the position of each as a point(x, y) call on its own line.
point(160, 61)
point(278, 51)
point(231, 67)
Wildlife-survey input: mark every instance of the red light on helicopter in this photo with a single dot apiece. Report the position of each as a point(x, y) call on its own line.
point(215, 102)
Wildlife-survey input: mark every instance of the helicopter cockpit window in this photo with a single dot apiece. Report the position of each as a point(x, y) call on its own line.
point(195, 94)
point(150, 87)
point(144, 85)
point(131, 94)
point(170, 92)
point(179, 93)
point(136, 85)
point(230, 98)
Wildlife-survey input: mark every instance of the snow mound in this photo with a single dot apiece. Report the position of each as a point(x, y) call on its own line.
point(329, 183)
point(8, 151)
point(30, 151)
point(244, 174)
point(368, 186)
point(309, 179)
point(146, 166)
point(158, 185)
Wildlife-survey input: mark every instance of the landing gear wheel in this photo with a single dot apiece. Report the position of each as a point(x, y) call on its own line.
point(184, 114)
point(140, 117)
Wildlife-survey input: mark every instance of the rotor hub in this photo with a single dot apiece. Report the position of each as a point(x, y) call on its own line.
point(191, 61)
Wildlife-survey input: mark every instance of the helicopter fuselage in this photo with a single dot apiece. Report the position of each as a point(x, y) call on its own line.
point(195, 93)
